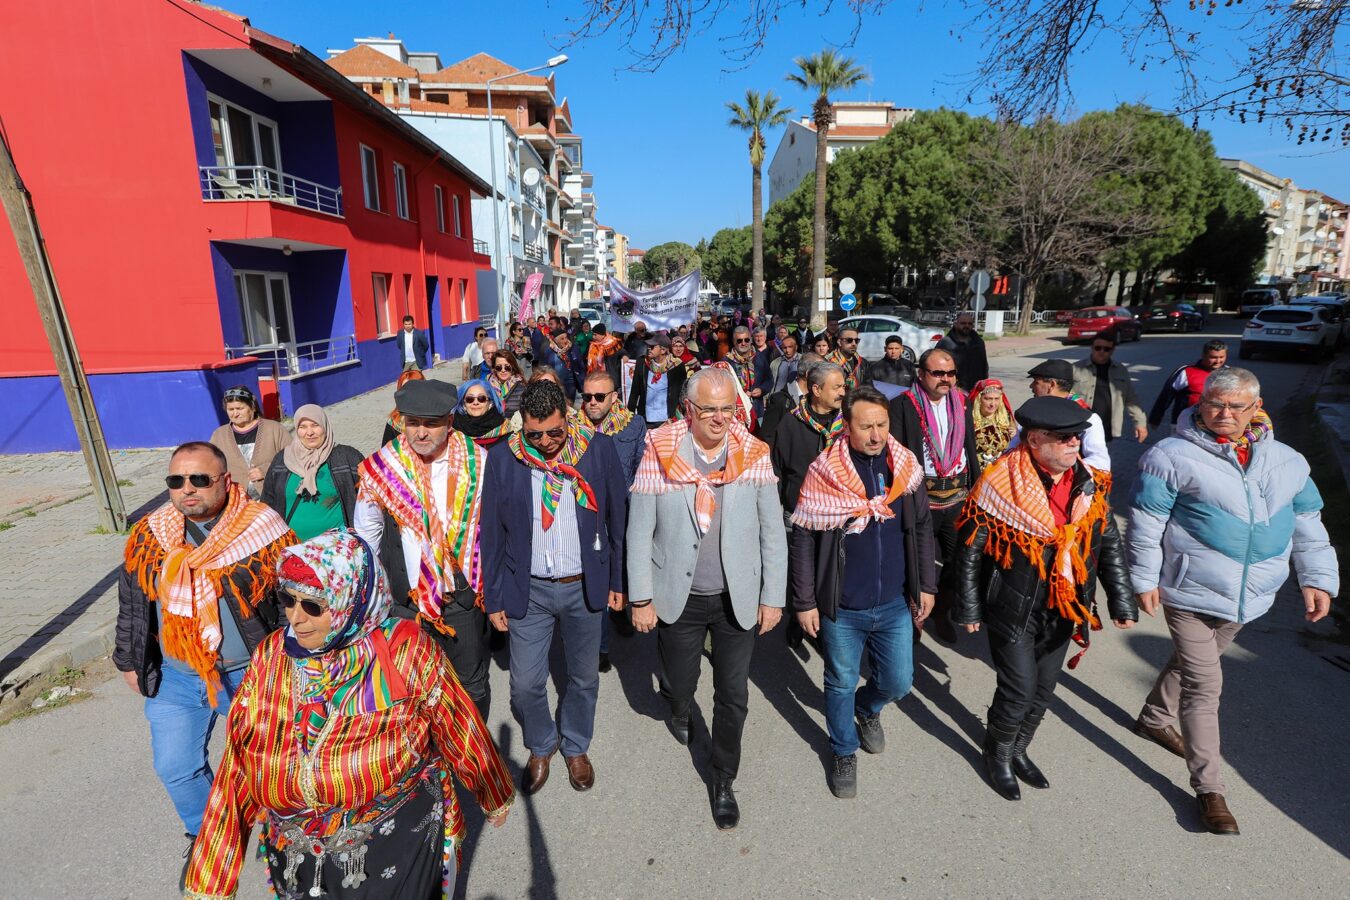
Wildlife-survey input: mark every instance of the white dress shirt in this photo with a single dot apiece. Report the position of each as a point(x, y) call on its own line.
point(368, 517)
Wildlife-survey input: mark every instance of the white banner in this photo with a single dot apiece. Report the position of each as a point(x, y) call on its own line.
point(666, 307)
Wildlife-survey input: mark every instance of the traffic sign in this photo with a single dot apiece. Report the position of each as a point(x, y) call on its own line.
point(846, 285)
point(979, 281)
point(848, 302)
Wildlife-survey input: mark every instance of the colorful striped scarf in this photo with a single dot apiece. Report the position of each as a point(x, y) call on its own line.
point(559, 469)
point(829, 432)
point(350, 673)
point(851, 363)
point(1010, 503)
point(662, 469)
point(947, 456)
point(833, 494)
point(615, 420)
point(397, 479)
point(602, 345)
point(188, 580)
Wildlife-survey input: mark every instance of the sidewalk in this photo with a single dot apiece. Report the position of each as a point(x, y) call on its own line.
point(58, 607)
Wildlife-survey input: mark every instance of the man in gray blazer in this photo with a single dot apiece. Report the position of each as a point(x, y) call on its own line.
point(707, 551)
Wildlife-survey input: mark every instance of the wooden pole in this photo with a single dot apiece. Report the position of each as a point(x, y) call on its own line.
point(23, 223)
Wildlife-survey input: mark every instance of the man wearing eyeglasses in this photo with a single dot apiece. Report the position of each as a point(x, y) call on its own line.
point(554, 514)
point(1036, 535)
point(1054, 378)
point(419, 501)
point(1220, 510)
point(846, 355)
point(194, 598)
point(707, 551)
point(1107, 388)
point(933, 420)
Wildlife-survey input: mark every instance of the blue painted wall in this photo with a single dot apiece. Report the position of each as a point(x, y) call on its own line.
point(321, 299)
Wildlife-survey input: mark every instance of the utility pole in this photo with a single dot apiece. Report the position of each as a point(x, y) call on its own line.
point(23, 223)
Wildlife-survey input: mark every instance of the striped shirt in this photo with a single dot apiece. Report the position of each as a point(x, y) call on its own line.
point(555, 553)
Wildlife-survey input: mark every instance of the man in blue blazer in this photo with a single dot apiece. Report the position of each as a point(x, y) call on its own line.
point(413, 346)
point(552, 539)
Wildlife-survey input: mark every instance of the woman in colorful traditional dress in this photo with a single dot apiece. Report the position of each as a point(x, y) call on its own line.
point(994, 422)
point(342, 739)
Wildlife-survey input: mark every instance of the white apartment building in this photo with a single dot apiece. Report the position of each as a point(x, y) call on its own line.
point(856, 124)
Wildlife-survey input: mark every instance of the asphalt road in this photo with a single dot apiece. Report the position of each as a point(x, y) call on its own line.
point(82, 813)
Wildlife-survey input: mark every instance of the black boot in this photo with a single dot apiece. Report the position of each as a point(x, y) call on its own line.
point(1021, 763)
point(998, 748)
point(726, 812)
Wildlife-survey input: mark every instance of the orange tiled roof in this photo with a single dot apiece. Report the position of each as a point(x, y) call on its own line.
point(477, 69)
point(363, 61)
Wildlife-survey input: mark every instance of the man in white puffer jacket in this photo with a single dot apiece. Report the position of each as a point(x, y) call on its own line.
point(1219, 510)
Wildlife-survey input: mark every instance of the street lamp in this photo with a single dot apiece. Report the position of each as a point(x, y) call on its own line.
point(503, 302)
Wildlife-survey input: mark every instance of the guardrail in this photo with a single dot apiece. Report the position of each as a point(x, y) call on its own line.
point(292, 359)
point(263, 183)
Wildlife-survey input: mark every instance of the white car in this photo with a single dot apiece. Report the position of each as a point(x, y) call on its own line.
point(592, 315)
point(873, 331)
point(1339, 307)
point(1306, 329)
point(1257, 299)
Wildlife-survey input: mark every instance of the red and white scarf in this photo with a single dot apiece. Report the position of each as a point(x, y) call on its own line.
point(833, 494)
point(662, 469)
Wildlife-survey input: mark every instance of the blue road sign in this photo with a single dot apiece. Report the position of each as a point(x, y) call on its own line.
point(848, 302)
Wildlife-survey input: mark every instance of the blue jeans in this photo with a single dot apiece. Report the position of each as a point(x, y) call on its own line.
point(886, 632)
point(181, 719)
point(562, 607)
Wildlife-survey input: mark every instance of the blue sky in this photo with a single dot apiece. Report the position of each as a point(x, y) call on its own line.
point(666, 165)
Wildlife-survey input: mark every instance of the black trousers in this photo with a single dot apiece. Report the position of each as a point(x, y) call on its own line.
point(944, 537)
point(679, 646)
point(468, 649)
point(1028, 668)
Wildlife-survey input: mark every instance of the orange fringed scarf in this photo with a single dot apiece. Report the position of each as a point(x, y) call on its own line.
point(1009, 501)
point(242, 548)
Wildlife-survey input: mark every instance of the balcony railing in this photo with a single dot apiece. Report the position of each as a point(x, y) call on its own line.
point(263, 183)
point(291, 359)
point(534, 252)
point(534, 197)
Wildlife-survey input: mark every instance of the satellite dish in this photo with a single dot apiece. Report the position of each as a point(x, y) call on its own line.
point(530, 176)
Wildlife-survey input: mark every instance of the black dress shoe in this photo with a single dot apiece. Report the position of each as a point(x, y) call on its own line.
point(679, 727)
point(726, 812)
point(605, 665)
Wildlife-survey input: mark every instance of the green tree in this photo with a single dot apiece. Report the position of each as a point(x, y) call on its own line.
point(824, 73)
point(668, 261)
point(728, 262)
point(787, 245)
point(760, 111)
point(1230, 248)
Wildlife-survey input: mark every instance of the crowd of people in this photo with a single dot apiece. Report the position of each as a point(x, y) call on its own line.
point(703, 483)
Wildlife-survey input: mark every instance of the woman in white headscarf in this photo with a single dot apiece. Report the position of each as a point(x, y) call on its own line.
point(312, 482)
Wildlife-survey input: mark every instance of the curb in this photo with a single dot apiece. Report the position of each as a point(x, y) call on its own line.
point(33, 674)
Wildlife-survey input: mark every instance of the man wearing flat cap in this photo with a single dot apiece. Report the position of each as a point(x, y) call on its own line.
point(1054, 378)
point(1035, 535)
point(658, 383)
point(418, 501)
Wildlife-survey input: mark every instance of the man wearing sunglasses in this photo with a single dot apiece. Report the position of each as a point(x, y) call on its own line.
point(421, 490)
point(707, 552)
point(1108, 390)
point(1036, 535)
point(846, 355)
point(1054, 378)
point(554, 513)
point(194, 598)
point(751, 366)
point(658, 380)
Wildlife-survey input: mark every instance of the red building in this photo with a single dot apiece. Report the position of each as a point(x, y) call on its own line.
point(220, 208)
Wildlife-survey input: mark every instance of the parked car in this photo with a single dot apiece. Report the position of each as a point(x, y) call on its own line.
point(1256, 299)
point(1064, 316)
point(725, 306)
point(1181, 317)
point(1339, 307)
point(1116, 321)
point(1306, 329)
point(592, 315)
point(873, 331)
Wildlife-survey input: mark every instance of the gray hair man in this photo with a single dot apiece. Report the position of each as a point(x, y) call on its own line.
point(1219, 510)
point(722, 569)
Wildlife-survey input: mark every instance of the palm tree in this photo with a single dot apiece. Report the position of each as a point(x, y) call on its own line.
point(826, 72)
point(760, 111)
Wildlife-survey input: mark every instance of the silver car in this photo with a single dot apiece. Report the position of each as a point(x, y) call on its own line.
point(873, 331)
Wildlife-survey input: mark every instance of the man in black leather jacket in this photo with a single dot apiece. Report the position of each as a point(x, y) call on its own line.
point(1037, 515)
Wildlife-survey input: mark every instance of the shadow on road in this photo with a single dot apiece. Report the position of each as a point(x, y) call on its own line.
point(784, 681)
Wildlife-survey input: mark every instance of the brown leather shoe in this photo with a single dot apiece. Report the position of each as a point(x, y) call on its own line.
point(1166, 737)
point(536, 773)
point(580, 772)
point(1215, 815)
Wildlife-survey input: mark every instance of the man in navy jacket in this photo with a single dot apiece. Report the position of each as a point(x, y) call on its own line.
point(552, 541)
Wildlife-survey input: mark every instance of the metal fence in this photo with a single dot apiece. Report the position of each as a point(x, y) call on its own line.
point(264, 183)
point(480, 246)
point(290, 359)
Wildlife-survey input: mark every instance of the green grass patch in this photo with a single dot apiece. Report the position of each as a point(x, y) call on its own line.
point(6, 526)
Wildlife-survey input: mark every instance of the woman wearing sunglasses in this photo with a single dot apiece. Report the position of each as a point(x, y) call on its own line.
point(248, 441)
point(518, 342)
point(506, 380)
point(353, 724)
point(312, 483)
point(479, 413)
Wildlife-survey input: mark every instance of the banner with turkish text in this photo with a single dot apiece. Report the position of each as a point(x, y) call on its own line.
point(666, 307)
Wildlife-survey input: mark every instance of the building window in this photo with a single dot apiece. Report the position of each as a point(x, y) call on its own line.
point(400, 191)
point(464, 300)
point(385, 314)
point(459, 228)
point(439, 194)
point(246, 145)
point(370, 177)
point(265, 305)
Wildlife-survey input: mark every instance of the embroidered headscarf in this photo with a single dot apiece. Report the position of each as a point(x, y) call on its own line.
point(993, 433)
point(833, 494)
point(302, 460)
